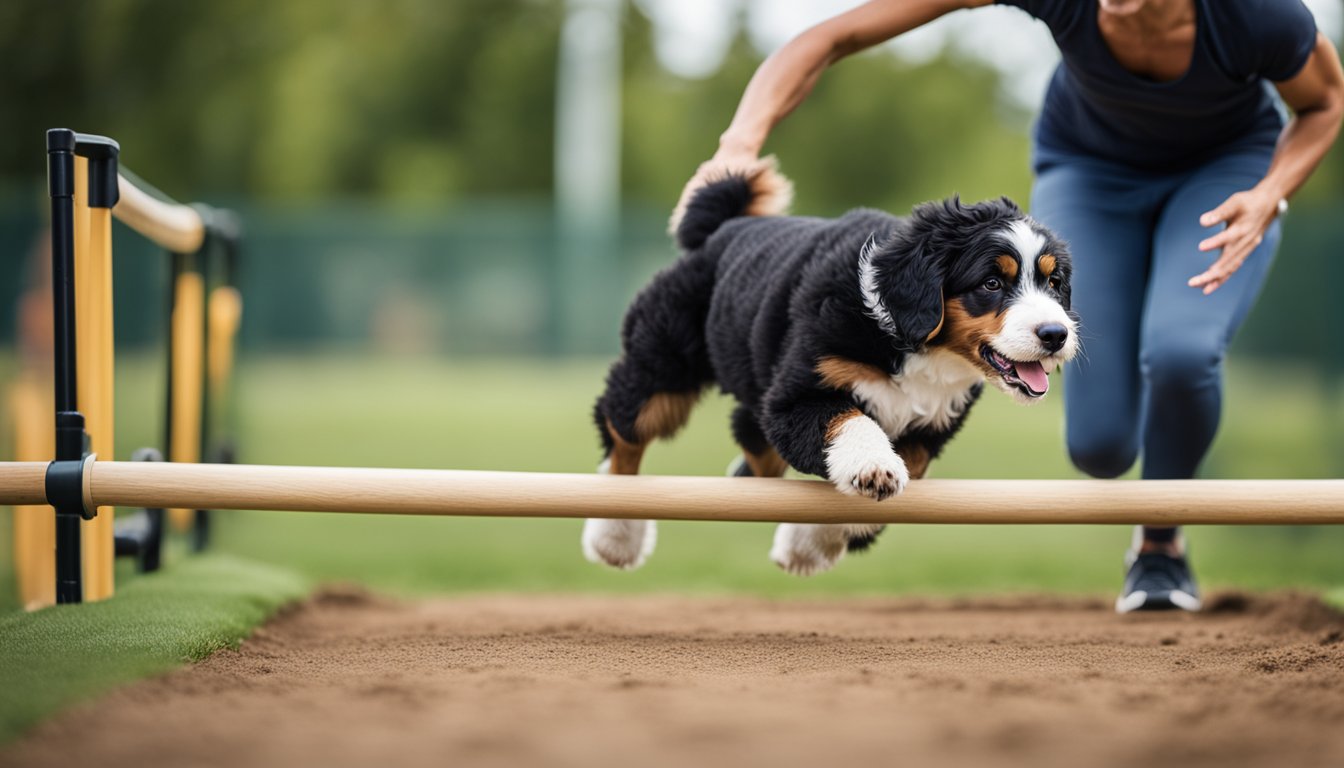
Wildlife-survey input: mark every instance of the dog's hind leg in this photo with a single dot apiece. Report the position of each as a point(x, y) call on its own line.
point(650, 392)
point(619, 543)
point(627, 543)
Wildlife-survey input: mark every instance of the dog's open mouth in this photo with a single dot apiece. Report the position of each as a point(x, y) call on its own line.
point(1029, 377)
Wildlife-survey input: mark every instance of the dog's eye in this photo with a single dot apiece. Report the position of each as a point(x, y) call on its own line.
point(1055, 282)
point(993, 284)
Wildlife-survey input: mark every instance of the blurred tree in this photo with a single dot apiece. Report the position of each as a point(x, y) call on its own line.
point(417, 100)
point(875, 132)
point(439, 106)
point(405, 99)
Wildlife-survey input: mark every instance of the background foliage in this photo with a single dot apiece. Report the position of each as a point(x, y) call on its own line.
point(393, 161)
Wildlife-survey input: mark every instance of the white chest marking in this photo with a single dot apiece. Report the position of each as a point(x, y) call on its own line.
point(931, 391)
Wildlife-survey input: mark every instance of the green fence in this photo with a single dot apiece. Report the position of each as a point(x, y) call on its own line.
point(481, 278)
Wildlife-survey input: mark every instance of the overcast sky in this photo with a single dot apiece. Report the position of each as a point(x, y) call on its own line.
point(692, 35)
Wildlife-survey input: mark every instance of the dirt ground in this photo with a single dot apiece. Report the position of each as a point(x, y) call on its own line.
point(353, 680)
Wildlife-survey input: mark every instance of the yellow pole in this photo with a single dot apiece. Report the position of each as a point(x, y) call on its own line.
point(31, 405)
point(225, 315)
point(94, 358)
point(188, 340)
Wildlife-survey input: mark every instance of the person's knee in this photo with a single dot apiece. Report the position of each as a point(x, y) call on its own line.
point(1171, 367)
point(1103, 450)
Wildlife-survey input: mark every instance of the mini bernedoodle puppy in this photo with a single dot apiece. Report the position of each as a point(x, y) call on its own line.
point(854, 346)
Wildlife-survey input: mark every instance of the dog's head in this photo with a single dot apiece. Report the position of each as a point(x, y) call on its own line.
point(984, 282)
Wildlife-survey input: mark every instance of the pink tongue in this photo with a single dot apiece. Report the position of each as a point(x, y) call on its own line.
point(1033, 375)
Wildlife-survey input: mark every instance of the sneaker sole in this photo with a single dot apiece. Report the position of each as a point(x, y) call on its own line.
point(1161, 601)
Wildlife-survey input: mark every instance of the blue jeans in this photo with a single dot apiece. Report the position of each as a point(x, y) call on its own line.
point(1149, 377)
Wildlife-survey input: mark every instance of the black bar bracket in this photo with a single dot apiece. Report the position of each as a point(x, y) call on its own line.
point(140, 536)
point(220, 224)
point(102, 154)
point(65, 486)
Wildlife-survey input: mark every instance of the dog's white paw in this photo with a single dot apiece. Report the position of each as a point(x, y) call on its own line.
point(861, 462)
point(804, 549)
point(624, 544)
point(879, 479)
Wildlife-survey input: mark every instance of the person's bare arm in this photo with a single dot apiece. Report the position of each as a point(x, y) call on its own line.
point(784, 80)
point(1316, 96)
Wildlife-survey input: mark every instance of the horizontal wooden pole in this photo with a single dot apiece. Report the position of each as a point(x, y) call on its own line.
point(178, 228)
point(528, 494)
point(23, 483)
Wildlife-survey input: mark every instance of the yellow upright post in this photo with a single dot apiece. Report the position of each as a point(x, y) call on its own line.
point(31, 405)
point(94, 357)
point(188, 372)
point(226, 313)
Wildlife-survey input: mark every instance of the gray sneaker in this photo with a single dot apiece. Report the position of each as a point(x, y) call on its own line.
point(1156, 581)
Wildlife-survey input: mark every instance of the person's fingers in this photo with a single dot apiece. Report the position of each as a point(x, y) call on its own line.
point(1219, 214)
point(1218, 273)
point(1219, 240)
point(1237, 241)
point(1203, 279)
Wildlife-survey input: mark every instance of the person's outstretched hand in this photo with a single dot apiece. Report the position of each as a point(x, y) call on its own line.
point(1247, 215)
point(735, 156)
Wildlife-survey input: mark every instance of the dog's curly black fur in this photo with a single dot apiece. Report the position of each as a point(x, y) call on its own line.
point(762, 305)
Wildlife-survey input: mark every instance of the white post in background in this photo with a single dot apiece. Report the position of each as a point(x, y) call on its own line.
point(587, 175)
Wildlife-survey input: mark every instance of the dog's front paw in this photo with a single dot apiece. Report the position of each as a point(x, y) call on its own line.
point(878, 479)
point(624, 544)
point(861, 462)
point(805, 549)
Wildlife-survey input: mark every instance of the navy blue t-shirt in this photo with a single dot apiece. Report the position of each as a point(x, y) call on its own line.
point(1096, 107)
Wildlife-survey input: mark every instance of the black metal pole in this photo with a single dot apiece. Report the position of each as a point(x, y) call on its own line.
point(200, 518)
point(61, 183)
point(69, 422)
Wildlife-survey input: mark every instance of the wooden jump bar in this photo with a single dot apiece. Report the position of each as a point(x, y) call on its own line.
point(528, 494)
point(175, 227)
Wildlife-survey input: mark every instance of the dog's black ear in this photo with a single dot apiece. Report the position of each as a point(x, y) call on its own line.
point(902, 285)
point(904, 289)
point(903, 280)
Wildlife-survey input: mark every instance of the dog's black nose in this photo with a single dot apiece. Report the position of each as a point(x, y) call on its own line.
point(1052, 336)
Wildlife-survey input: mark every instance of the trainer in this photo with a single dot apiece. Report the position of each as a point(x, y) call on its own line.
point(1163, 156)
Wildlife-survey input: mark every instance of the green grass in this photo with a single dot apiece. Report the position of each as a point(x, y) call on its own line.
point(1335, 597)
point(59, 655)
point(534, 415)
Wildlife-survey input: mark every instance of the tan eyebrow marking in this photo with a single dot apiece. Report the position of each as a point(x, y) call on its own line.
point(1009, 266)
point(1046, 264)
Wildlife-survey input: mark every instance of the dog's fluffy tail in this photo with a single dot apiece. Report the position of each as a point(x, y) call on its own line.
point(717, 193)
